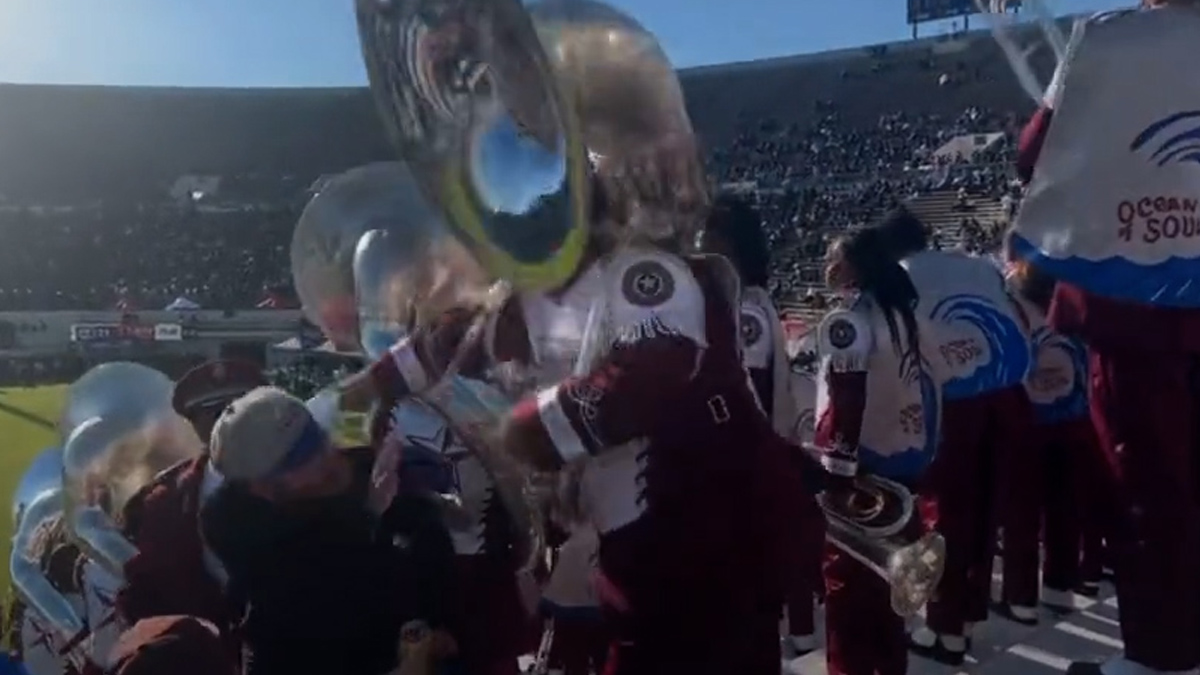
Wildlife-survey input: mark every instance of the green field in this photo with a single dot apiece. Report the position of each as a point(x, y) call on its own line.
point(26, 426)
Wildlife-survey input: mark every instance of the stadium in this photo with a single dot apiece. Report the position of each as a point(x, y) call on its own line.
point(155, 223)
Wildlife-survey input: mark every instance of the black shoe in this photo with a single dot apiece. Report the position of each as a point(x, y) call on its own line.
point(1088, 589)
point(937, 652)
point(1084, 668)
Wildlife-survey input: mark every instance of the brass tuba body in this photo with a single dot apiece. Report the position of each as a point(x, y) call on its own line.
point(871, 523)
point(120, 431)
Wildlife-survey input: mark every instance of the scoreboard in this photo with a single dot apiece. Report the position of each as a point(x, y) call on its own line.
point(920, 11)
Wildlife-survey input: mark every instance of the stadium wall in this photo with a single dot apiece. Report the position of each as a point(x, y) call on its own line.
point(56, 332)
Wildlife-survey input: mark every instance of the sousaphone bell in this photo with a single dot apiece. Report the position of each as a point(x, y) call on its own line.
point(872, 522)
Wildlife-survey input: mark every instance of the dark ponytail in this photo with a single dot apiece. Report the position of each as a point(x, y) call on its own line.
point(877, 271)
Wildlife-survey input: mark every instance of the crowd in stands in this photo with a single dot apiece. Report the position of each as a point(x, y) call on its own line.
point(825, 145)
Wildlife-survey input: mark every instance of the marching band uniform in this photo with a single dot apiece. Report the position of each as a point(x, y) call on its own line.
point(879, 408)
point(174, 572)
point(806, 584)
point(1057, 387)
point(765, 354)
point(665, 490)
point(1110, 213)
point(980, 342)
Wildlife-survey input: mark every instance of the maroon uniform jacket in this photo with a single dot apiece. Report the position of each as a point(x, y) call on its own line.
point(168, 575)
point(1101, 321)
point(689, 481)
point(685, 478)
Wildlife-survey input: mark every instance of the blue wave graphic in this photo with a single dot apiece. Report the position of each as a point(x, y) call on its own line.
point(1007, 346)
point(1170, 283)
point(910, 463)
point(1074, 404)
point(1182, 147)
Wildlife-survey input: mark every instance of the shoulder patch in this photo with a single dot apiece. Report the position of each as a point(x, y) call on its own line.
point(842, 333)
point(653, 294)
point(648, 283)
point(752, 329)
point(844, 340)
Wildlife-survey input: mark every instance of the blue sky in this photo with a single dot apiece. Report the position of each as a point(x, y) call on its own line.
point(312, 42)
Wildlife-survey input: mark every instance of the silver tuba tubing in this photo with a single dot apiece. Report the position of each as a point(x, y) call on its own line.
point(1002, 28)
point(871, 524)
point(29, 579)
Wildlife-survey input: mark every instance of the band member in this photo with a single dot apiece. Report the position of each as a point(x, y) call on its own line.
point(985, 352)
point(173, 571)
point(324, 583)
point(1057, 387)
point(879, 412)
point(734, 229)
point(1107, 213)
point(32, 642)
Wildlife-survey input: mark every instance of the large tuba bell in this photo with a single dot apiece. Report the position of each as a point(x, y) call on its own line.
point(112, 387)
point(870, 522)
point(633, 118)
point(467, 94)
point(380, 196)
point(107, 460)
point(130, 435)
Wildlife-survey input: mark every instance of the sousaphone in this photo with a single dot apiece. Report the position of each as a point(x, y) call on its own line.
point(38, 507)
point(471, 104)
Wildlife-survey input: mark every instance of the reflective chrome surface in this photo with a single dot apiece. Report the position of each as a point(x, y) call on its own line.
point(871, 524)
point(381, 196)
point(25, 566)
point(43, 475)
point(381, 319)
point(117, 387)
point(465, 91)
point(106, 461)
point(632, 115)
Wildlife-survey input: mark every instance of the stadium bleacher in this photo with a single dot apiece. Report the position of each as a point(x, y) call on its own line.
point(194, 193)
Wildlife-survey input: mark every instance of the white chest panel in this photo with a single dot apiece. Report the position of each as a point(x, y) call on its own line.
point(612, 485)
point(647, 294)
point(902, 410)
point(555, 324)
point(420, 428)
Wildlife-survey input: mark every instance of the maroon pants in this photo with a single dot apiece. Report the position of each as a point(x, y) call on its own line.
point(957, 499)
point(804, 579)
point(1068, 501)
point(579, 646)
point(863, 636)
point(494, 625)
point(692, 635)
point(1146, 409)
